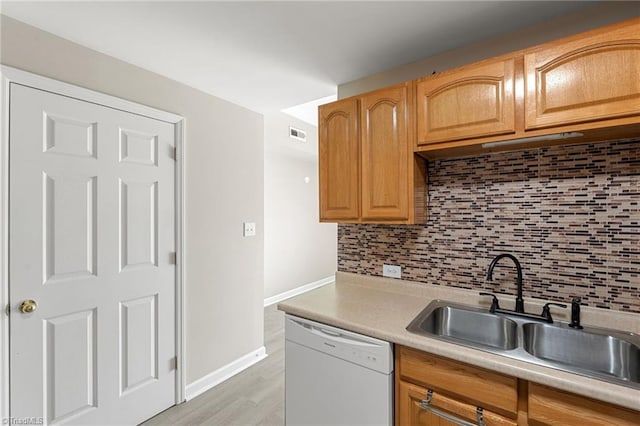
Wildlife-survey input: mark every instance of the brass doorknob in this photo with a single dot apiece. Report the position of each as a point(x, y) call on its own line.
point(28, 306)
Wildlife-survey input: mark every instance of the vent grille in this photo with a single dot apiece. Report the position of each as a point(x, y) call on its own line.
point(298, 134)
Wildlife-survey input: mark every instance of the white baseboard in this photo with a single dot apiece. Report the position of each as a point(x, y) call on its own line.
point(299, 290)
point(221, 374)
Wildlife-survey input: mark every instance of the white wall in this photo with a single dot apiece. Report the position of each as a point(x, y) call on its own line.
point(223, 188)
point(599, 15)
point(298, 250)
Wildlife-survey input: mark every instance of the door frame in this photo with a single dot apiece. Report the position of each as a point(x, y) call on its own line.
point(13, 75)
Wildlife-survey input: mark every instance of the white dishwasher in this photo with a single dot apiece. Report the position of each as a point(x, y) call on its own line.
point(336, 377)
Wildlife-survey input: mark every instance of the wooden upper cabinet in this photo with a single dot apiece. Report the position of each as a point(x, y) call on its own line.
point(386, 150)
point(368, 172)
point(587, 78)
point(474, 101)
point(339, 160)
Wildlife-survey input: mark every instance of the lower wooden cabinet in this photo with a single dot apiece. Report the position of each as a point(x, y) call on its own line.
point(421, 406)
point(437, 391)
point(549, 406)
point(433, 390)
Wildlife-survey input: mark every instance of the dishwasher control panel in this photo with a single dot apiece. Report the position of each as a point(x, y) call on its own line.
point(359, 349)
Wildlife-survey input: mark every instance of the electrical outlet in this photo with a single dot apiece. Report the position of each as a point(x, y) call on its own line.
point(249, 229)
point(392, 271)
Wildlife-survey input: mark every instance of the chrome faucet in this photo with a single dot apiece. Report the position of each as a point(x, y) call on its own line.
point(519, 299)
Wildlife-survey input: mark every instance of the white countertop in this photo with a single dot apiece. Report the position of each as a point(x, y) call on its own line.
point(383, 307)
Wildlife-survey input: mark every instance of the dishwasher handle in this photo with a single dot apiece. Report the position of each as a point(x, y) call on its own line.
point(340, 338)
point(335, 336)
point(425, 404)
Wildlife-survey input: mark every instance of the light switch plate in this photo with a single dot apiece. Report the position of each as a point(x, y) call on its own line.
point(392, 271)
point(249, 229)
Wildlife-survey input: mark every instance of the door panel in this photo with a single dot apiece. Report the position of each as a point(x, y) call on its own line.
point(138, 342)
point(138, 224)
point(71, 368)
point(91, 233)
point(69, 137)
point(70, 227)
point(138, 148)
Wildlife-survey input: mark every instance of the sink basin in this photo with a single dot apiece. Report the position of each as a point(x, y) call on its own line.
point(588, 349)
point(599, 353)
point(466, 325)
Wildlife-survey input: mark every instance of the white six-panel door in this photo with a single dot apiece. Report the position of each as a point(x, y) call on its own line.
point(91, 241)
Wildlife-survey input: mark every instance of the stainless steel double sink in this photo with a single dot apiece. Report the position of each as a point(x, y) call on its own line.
point(604, 354)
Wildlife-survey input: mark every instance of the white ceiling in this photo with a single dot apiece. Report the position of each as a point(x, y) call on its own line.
point(268, 56)
point(308, 111)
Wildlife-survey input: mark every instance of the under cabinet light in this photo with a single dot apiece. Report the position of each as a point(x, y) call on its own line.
point(555, 136)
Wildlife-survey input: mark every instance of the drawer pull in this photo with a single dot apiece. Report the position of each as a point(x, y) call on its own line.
point(425, 404)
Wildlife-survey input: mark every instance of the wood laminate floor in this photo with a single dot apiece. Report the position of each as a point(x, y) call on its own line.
point(253, 397)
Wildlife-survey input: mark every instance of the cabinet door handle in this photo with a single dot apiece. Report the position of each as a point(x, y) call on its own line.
point(425, 404)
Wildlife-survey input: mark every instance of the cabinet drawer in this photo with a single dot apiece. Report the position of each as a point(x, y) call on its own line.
point(411, 413)
point(549, 406)
point(477, 386)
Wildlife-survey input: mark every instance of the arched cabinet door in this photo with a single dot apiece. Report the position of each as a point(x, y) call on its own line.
point(472, 102)
point(384, 117)
point(339, 160)
point(585, 79)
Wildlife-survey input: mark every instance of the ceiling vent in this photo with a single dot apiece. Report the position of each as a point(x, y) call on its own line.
point(298, 134)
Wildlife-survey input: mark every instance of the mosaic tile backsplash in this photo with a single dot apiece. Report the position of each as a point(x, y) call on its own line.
point(570, 214)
